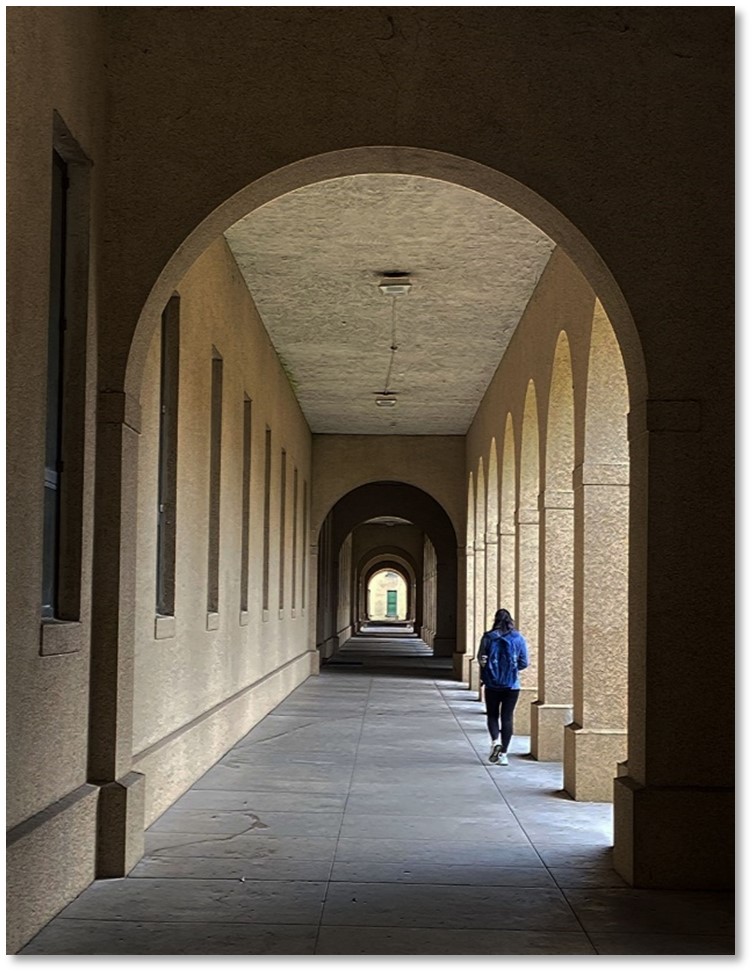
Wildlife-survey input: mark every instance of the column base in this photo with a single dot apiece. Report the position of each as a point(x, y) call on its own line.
point(674, 838)
point(444, 645)
point(589, 761)
point(474, 681)
point(522, 713)
point(120, 826)
point(461, 667)
point(547, 723)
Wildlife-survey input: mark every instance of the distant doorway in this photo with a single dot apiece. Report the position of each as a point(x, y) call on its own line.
point(387, 597)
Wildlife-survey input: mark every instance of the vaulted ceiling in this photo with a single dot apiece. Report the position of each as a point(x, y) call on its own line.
point(313, 261)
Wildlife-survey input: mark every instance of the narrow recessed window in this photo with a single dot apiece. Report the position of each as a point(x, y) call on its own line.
point(55, 357)
point(245, 505)
point(304, 544)
point(166, 490)
point(294, 546)
point(266, 548)
point(283, 488)
point(67, 383)
point(216, 425)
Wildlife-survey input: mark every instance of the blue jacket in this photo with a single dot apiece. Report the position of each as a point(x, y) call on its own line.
point(500, 657)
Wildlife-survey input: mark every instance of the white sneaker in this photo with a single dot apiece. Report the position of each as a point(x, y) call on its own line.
point(503, 759)
point(495, 753)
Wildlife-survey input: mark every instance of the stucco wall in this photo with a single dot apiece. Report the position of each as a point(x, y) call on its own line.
point(194, 670)
point(432, 463)
point(57, 56)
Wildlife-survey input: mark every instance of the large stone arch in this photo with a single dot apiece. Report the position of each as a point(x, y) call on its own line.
point(154, 273)
point(167, 268)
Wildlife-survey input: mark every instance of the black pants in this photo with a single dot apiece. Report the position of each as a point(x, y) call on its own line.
point(500, 706)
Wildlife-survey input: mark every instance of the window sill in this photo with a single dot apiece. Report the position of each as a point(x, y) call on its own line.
point(164, 627)
point(213, 621)
point(243, 618)
point(60, 638)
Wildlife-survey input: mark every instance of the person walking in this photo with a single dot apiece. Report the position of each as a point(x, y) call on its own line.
point(502, 653)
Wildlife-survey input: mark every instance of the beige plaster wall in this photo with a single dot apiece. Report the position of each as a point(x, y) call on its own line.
point(57, 57)
point(183, 680)
point(432, 463)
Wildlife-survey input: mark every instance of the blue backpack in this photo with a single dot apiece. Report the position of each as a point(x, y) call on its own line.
point(501, 669)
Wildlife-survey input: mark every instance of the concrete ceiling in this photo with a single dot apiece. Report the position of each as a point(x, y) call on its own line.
point(312, 260)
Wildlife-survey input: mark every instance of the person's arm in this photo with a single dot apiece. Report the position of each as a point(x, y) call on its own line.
point(523, 655)
point(482, 654)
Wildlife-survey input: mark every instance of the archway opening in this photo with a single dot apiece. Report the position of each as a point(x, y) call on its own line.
point(324, 592)
point(387, 527)
point(387, 596)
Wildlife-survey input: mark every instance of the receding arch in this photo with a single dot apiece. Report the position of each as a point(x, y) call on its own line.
point(408, 502)
point(391, 556)
point(560, 440)
point(381, 582)
point(596, 740)
point(507, 529)
point(491, 563)
point(553, 707)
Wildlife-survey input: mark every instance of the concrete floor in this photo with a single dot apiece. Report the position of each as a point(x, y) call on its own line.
point(361, 817)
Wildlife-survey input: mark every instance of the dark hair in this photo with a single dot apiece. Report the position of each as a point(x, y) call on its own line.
point(503, 621)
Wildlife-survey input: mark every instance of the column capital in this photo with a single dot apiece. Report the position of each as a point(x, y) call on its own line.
point(527, 515)
point(556, 500)
point(602, 474)
point(665, 416)
point(490, 538)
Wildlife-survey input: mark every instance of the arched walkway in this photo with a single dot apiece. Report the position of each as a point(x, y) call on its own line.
point(185, 537)
point(117, 440)
point(413, 505)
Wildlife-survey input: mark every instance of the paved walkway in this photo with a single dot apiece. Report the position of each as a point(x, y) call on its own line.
point(361, 817)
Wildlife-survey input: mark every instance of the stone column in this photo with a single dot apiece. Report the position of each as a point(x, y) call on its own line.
point(312, 582)
point(120, 818)
point(463, 658)
point(507, 568)
point(674, 812)
point(491, 562)
point(553, 708)
point(595, 741)
point(479, 612)
point(527, 610)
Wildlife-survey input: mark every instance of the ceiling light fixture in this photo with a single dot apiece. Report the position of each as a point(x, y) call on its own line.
point(394, 284)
